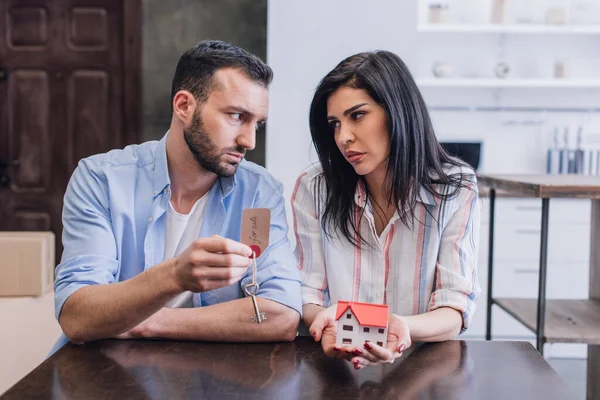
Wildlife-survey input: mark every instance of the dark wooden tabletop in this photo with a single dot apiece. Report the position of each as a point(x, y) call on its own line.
point(546, 186)
point(130, 369)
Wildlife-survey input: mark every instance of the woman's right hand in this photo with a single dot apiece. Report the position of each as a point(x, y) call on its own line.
point(324, 329)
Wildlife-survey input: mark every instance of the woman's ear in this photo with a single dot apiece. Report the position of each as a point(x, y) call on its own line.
point(184, 107)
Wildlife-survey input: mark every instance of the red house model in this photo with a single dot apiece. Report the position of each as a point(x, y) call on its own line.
point(358, 323)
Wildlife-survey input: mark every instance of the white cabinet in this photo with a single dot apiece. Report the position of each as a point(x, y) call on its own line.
point(528, 209)
point(521, 241)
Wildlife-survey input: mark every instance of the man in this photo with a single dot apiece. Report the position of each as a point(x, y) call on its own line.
point(147, 223)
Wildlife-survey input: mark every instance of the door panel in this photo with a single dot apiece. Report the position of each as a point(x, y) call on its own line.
point(88, 108)
point(88, 29)
point(32, 220)
point(29, 100)
point(27, 28)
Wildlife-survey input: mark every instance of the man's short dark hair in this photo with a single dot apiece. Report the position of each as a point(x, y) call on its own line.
point(197, 66)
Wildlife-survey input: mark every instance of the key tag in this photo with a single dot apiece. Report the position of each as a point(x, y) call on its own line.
point(256, 225)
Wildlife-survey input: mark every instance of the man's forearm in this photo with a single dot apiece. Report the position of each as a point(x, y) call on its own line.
point(434, 326)
point(229, 322)
point(103, 311)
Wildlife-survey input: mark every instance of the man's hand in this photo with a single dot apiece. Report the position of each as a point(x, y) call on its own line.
point(211, 263)
point(398, 340)
point(145, 329)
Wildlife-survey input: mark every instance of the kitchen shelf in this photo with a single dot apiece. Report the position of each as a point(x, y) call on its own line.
point(508, 83)
point(567, 321)
point(518, 29)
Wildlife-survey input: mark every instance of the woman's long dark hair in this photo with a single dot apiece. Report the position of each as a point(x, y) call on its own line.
point(416, 159)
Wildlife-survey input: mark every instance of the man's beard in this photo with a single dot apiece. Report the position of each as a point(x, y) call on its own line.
point(206, 152)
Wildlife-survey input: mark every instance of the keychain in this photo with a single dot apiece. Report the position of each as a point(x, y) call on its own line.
point(256, 225)
point(251, 290)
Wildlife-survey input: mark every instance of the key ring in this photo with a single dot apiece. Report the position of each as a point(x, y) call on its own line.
point(250, 286)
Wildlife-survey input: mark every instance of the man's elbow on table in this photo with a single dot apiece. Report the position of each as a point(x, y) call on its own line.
point(76, 330)
point(285, 324)
point(72, 329)
point(290, 328)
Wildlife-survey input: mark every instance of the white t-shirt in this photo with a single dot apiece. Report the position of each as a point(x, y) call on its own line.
point(182, 230)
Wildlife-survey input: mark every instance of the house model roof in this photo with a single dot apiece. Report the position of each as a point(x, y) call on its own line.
point(367, 314)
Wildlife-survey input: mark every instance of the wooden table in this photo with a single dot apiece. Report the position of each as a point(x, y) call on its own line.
point(131, 369)
point(572, 321)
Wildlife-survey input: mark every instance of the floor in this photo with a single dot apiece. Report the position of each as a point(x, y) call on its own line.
point(573, 372)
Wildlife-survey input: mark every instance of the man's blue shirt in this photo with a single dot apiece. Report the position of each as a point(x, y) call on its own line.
point(114, 224)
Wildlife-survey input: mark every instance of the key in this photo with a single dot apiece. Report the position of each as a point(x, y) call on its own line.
point(259, 316)
point(251, 289)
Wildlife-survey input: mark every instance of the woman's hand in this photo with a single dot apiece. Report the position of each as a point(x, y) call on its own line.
point(324, 329)
point(398, 340)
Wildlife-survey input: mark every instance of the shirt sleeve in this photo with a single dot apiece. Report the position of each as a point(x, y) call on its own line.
point(309, 245)
point(277, 276)
point(456, 282)
point(90, 254)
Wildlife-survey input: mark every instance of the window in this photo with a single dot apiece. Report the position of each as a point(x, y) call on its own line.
point(347, 341)
point(379, 343)
point(348, 328)
point(381, 330)
point(366, 330)
point(348, 316)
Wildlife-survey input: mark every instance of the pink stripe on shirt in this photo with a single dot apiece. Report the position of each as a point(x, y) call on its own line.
point(418, 259)
point(463, 229)
point(298, 242)
point(386, 252)
point(356, 286)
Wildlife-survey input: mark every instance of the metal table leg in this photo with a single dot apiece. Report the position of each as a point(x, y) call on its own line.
point(593, 361)
point(541, 306)
point(488, 330)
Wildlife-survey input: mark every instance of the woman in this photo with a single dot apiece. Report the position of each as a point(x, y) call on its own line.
point(387, 217)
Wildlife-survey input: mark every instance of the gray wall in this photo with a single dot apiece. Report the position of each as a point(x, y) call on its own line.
point(171, 27)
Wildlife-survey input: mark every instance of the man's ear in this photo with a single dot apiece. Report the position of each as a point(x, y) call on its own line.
point(184, 106)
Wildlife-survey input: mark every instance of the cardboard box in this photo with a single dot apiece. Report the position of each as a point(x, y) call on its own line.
point(26, 263)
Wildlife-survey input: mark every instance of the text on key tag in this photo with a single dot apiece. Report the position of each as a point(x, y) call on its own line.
point(256, 226)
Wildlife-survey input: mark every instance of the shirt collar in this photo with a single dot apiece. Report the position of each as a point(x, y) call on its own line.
point(424, 196)
point(360, 195)
point(228, 183)
point(161, 171)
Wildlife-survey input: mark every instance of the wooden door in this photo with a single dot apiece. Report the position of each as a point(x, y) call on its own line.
point(69, 88)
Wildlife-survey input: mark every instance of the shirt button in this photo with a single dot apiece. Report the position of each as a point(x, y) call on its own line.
point(155, 192)
point(150, 219)
point(166, 191)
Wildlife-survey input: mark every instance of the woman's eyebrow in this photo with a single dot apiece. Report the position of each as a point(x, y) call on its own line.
point(354, 108)
point(348, 111)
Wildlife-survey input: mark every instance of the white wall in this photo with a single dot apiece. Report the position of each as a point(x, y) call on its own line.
point(28, 331)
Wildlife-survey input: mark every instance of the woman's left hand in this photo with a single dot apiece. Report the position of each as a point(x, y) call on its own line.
point(398, 340)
